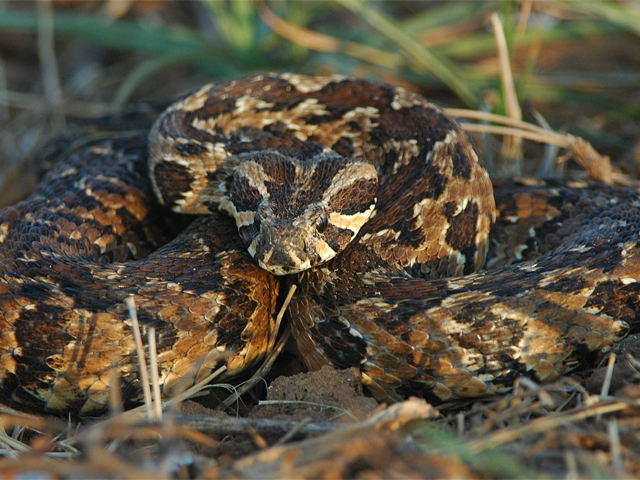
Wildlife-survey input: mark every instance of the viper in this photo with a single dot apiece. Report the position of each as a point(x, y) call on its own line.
point(365, 196)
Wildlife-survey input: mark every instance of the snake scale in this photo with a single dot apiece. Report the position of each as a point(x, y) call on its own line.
point(364, 195)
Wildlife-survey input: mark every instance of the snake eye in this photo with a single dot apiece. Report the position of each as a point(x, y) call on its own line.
point(245, 234)
point(322, 222)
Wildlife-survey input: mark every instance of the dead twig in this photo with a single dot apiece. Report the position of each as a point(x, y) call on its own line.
point(596, 165)
point(269, 361)
point(512, 145)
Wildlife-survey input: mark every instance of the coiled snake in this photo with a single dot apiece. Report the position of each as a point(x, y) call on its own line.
point(364, 195)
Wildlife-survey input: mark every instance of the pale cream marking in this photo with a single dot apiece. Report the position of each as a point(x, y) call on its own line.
point(456, 264)
point(9, 364)
point(380, 233)
point(4, 231)
point(99, 150)
point(195, 101)
point(267, 256)
point(532, 182)
point(446, 167)
point(305, 84)
point(355, 333)
point(405, 99)
point(450, 137)
point(248, 103)
point(255, 175)
point(174, 286)
point(577, 184)
point(476, 160)
point(518, 251)
point(296, 259)
point(218, 151)
point(534, 267)
point(348, 176)
point(211, 338)
point(133, 249)
point(552, 278)
point(419, 206)
point(351, 222)
point(460, 206)
point(299, 170)
point(324, 250)
point(252, 248)
point(310, 106)
point(203, 245)
point(358, 112)
point(406, 150)
point(68, 172)
point(581, 249)
point(170, 156)
point(622, 223)
point(593, 310)
point(226, 205)
point(244, 219)
point(293, 119)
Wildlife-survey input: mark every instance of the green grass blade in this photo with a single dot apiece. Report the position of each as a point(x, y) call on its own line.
point(121, 34)
point(420, 57)
point(483, 43)
point(617, 13)
point(449, 13)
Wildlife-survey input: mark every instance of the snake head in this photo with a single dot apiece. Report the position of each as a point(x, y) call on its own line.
point(294, 214)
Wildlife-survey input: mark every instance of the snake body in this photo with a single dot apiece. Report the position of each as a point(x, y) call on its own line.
point(366, 196)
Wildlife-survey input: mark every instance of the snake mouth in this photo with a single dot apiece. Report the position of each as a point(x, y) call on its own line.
point(282, 270)
point(288, 247)
point(284, 259)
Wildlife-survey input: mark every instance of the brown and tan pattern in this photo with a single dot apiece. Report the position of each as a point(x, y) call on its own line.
point(366, 196)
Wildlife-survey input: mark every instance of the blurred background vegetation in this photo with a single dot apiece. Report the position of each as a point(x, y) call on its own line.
point(576, 63)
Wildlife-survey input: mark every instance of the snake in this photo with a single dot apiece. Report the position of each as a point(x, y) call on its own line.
point(410, 263)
